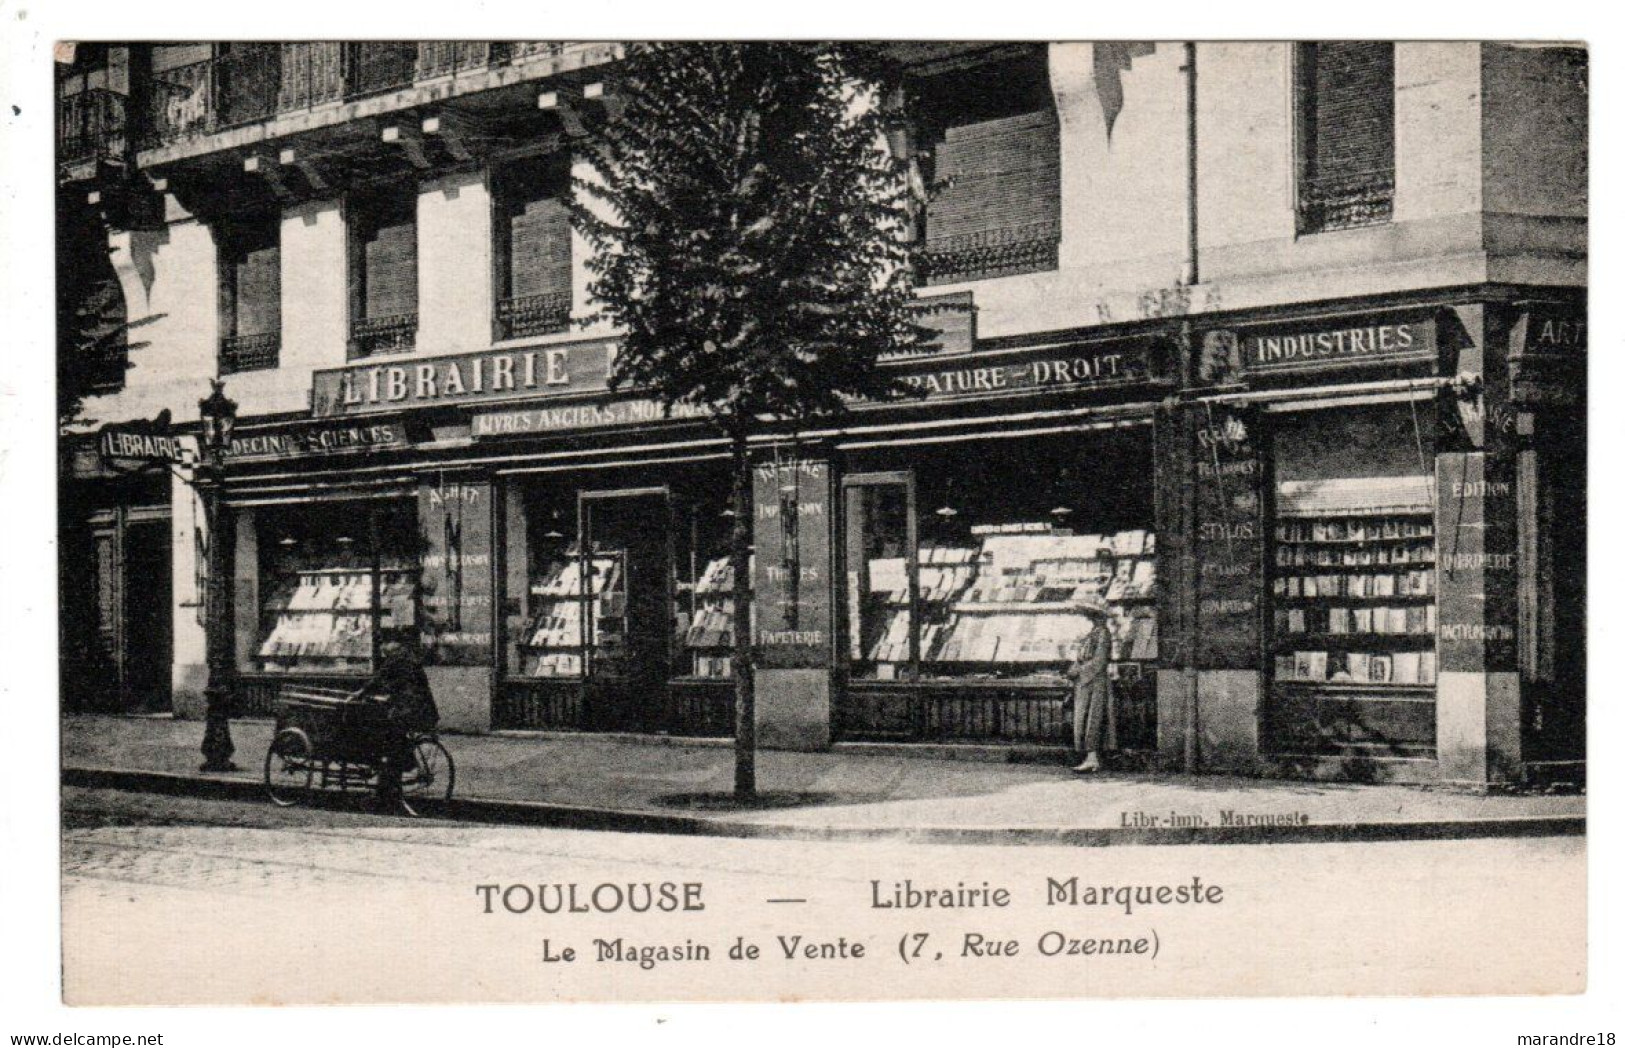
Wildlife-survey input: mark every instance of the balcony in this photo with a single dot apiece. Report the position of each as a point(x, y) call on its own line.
point(1000, 252)
point(378, 336)
point(1345, 200)
point(249, 352)
point(532, 315)
point(91, 129)
point(259, 82)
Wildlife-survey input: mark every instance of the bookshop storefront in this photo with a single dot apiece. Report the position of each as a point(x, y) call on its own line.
point(1367, 536)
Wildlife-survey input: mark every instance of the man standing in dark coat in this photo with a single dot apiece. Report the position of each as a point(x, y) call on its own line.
point(408, 707)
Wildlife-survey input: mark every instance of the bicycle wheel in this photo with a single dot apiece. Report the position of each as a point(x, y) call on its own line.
point(289, 767)
point(431, 776)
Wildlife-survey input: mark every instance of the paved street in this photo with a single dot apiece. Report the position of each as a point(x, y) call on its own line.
point(175, 899)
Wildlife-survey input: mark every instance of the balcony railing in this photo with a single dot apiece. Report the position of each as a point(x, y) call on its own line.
point(376, 336)
point(533, 315)
point(1000, 252)
point(91, 126)
point(261, 81)
point(249, 352)
point(1346, 200)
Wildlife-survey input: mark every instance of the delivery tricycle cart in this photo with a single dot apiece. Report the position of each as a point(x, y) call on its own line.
point(333, 739)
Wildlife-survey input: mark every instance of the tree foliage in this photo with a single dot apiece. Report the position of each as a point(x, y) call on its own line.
point(749, 229)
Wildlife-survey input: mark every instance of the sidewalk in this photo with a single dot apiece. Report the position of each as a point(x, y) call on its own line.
point(685, 787)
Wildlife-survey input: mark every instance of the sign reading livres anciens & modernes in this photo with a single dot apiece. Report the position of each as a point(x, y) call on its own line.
point(1313, 345)
point(463, 379)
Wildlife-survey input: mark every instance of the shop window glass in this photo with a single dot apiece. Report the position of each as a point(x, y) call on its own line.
point(1354, 582)
point(326, 585)
point(705, 617)
point(996, 547)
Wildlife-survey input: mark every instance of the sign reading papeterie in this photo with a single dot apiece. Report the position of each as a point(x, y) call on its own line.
point(792, 610)
point(463, 379)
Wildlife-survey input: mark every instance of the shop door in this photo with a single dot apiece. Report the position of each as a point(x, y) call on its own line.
point(881, 589)
point(626, 552)
point(148, 629)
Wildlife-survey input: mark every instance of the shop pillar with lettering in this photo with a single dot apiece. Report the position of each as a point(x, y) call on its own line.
point(1478, 706)
point(792, 606)
point(1228, 533)
point(457, 521)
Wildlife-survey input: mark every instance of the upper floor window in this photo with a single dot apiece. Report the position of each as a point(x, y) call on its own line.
point(532, 246)
point(250, 292)
point(383, 270)
point(1345, 115)
point(988, 157)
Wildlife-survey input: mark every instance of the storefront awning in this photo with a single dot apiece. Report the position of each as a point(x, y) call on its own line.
point(1355, 496)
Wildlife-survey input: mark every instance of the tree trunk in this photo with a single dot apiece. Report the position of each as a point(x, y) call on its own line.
point(744, 677)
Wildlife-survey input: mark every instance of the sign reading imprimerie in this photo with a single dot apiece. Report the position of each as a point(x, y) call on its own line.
point(467, 378)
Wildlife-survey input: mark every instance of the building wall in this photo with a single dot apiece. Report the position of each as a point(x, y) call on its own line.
point(1466, 178)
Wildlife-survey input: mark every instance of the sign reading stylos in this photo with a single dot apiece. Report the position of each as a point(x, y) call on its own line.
point(470, 378)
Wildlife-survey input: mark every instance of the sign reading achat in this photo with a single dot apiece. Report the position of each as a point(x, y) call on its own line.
point(469, 378)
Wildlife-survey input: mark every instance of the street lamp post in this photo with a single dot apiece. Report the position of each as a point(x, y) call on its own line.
point(218, 414)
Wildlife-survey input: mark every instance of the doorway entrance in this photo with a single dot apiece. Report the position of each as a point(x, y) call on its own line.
point(627, 556)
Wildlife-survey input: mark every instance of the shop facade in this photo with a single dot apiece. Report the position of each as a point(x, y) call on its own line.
point(1341, 540)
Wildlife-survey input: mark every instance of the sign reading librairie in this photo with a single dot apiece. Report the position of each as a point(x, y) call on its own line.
point(464, 379)
point(141, 442)
point(1318, 345)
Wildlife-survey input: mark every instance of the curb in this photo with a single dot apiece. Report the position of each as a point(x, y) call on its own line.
point(582, 817)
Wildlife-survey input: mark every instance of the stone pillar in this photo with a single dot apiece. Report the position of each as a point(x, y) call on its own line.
point(793, 602)
point(189, 533)
point(456, 519)
point(1476, 546)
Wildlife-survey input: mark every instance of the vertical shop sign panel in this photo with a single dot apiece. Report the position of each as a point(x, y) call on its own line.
point(791, 581)
point(1229, 538)
point(457, 567)
point(1477, 549)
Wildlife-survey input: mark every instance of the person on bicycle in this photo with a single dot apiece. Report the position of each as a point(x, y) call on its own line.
point(408, 709)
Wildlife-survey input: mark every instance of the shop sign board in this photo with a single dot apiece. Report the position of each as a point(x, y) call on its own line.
point(791, 610)
point(1078, 366)
point(466, 379)
point(1322, 345)
point(1547, 356)
point(322, 439)
point(1476, 549)
point(1229, 538)
point(145, 443)
point(570, 417)
point(456, 579)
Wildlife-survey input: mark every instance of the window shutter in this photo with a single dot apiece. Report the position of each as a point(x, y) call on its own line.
point(1001, 174)
point(258, 273)
point(1346, 114)
point(539, 248)
point(389, 261)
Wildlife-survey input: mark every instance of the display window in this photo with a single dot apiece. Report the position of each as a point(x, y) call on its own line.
point(969, 562)
point(624, 582)
point(331, 575)
point(1354, 581)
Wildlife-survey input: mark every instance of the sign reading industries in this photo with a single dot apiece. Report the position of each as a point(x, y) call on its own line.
point(1312, 347)
point(464, 379)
